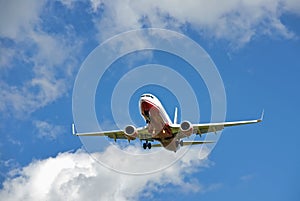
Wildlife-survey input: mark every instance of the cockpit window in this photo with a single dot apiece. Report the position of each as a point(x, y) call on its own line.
point(147, 95)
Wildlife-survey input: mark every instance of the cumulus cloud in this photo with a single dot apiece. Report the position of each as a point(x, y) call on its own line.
point(76, 176)
point(21, 25)
point(235, 21)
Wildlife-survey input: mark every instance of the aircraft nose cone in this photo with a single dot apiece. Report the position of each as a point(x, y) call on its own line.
point(145, 106)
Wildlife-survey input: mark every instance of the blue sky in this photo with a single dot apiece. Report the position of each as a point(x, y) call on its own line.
point(255, 46)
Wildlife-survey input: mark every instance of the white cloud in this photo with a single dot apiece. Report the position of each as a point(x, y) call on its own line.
point(95, 4)
point(49, 59)
point(68, 3)
point(75, 176)
point(235, 21)
point(18, 17)
point(292, 6)
point(33, 95)
point(5, 57)
point(247, 177)
point(11, 163)
point(47, 130)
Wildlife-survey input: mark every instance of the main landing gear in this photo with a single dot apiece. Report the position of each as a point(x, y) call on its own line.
point(179, 142)
point(147, 145)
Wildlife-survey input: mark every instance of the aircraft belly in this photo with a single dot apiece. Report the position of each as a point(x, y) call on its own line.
point(157, 127)
point(170, 144)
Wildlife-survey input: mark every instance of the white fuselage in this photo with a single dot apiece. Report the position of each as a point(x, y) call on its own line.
point(158, 121)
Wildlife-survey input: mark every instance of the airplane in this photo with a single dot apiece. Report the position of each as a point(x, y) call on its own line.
point(159, 127)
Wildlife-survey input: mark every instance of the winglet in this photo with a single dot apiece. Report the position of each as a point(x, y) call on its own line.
point(262, 116)
point(175, 116)
point(73, 129)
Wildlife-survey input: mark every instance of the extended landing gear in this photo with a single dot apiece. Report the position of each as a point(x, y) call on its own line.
point(147, 145)
point(179, 142)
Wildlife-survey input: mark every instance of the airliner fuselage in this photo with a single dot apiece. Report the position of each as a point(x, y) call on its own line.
point(158, 121)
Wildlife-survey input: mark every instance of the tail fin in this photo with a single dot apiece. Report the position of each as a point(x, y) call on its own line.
point(175, 116)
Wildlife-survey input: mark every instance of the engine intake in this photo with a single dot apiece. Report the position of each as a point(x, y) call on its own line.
point(131, 132)
point(186, 128)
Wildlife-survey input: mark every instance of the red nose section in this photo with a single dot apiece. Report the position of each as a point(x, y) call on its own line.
point(146, 106)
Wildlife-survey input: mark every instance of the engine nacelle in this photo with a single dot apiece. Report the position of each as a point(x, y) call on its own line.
point(131, 132)
point(186, 128)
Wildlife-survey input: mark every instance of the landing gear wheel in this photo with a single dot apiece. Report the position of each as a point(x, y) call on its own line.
point(181, 143)
point(145, 145)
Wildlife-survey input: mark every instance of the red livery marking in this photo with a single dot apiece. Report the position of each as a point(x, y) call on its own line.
point(156, 125)
point(146, 106)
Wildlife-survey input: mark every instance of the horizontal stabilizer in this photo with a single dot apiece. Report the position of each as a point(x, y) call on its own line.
point(187, 143)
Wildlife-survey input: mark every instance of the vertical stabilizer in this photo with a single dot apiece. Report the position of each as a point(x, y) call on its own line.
point(175, 116)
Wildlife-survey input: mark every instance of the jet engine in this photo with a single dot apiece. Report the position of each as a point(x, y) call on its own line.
point(186, 128)
point(131, 132)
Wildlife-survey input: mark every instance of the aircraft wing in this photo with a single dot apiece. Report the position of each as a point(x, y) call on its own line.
point(143, 134)
point(213, 127)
